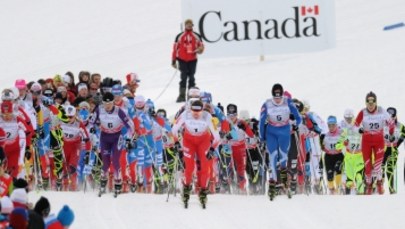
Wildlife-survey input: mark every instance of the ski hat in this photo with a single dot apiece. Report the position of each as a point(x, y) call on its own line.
point(117, 90)
point(42, 206)
point(132, 77)
point(70, 110)
point(348, 113)
point(20, 84)
point(35, 87)
point(197, 105)
point(194, 92)
point(19, 197)
point(66, 216)
point(66, 79)
point(231, 109)
point(277, 90)
point(392, 111)
point(332, 120)
point(20, 183)
point(19, 218)
point(6, 204)
point(6, 107)
point(108, 97)
point(140, 101)
point(371, 95)
point(82, 86)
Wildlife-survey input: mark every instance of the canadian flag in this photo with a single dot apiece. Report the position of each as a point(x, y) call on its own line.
point(309, 10)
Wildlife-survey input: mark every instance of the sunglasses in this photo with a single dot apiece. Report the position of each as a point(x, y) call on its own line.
point(370, 101)
point(93, 89)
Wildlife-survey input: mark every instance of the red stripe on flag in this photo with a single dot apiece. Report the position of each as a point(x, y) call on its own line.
point(316, 10)
point(303, 10)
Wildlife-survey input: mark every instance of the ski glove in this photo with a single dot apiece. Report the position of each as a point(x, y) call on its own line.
point(174, 64)
point(86, 158)
point(241, 126)
point(361, 130)
point(210, 154)
point(40, 133)
point(27, 153)
point(130, 144)
point(294, 127)
point(177, 147)
point(391, 138)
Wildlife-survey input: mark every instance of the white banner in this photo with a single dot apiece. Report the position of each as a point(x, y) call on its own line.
point(260, 27)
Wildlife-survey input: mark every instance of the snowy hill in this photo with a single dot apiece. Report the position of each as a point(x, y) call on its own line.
point(42, 38)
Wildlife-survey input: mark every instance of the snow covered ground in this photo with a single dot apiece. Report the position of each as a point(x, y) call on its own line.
point(45, 37)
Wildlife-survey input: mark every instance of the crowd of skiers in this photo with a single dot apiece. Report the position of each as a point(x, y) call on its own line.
point(63, 135)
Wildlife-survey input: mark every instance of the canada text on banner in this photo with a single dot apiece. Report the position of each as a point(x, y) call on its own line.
point(260, 27)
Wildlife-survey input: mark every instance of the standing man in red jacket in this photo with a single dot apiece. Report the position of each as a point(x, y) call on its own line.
point(185, 49)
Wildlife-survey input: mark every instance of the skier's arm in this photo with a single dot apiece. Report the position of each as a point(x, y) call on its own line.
point(263, 123)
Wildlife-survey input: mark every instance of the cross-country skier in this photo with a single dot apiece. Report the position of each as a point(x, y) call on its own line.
point(274, 129)
point(333, 156)
point(391, 150)
point(200, 139)
point(371, 121)
point(350, 144)
point(111, 119)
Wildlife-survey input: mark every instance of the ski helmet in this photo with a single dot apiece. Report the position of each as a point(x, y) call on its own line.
point(231, 109)
point(392, 111)
point(277, 90)
point(371, 95)
point(348, 113)
point(7, 95)
point(108, 97)
point(332, 120)
point(194, 92)
point(162, 112)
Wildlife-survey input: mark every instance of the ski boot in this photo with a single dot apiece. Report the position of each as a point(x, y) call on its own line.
point(186, 194)
point(369, 189)
point(203, 197)
point(45, 183)
point(133, 187)
point(117, 187)
point(103, 184)
point(272, 192)
point(380, 187)
point(58, 185)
